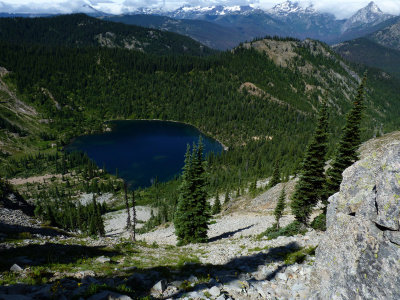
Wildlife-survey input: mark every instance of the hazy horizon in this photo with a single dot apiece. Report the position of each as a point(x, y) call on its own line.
point(340, 8)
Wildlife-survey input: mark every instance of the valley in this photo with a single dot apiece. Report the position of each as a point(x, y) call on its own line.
point(300, 148)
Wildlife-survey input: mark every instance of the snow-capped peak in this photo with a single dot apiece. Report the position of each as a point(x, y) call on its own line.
point(289, 7)
point(191, 12)
point(371, 15)
point(372, 7)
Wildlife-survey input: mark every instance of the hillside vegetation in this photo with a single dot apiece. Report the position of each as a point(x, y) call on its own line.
point(370, 53)
point(260, 99)
point(79, 30)
point(210, 34)
point(388, 36)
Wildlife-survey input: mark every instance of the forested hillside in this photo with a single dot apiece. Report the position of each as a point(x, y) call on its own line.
point(370, 53)
point(260, 99)
point(80, 30)
point(207, 33)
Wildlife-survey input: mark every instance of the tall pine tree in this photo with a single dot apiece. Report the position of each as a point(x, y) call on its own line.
point(346, 153)
point(193, 212)
point(309, 188)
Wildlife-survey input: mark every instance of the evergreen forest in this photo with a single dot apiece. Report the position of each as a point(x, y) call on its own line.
point(264, 111)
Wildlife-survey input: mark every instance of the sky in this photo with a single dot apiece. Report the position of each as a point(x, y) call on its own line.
point(340, 8)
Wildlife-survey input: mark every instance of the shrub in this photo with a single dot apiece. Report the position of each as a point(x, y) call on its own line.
point(319, 223)
point(299, 256)
point(292, 229)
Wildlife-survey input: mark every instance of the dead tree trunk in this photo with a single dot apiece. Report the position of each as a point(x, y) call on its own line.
point(133, 217)
point(128, 219)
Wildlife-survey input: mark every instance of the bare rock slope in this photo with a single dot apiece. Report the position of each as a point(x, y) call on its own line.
point(359, 256)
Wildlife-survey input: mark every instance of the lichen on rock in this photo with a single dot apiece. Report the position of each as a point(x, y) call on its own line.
point(359, 256)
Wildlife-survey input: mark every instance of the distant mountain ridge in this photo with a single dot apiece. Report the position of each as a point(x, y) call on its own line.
point(79, 30)
point(227, 26)
point(248, 22)
point(388, 36)
point(208, 33)
point(379, 49)
point(365, 51)
point(370, 15)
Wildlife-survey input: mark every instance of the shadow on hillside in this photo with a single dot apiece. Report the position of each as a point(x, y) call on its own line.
point(141, 281)
point(228, 234)
point(48, 253)
point(14, 231)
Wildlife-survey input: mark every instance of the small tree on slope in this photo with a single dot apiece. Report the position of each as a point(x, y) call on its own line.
point(280, 207)
point(193, 212)
point(309, 188)
point(346, 153)
point(276, 175)
point(217, 205)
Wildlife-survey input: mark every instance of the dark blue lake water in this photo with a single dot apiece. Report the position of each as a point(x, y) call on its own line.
point(143, 150)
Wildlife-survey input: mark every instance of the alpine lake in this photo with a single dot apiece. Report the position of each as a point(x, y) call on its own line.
point(142, 151)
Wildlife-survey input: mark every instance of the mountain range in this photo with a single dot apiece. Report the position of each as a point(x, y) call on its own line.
point(222, 27)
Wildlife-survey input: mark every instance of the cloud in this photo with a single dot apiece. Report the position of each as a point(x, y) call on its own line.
point(40, 6)
point(341, 8)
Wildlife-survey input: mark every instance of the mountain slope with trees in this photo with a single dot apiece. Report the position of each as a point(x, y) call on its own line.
point(260, 100)
point(388, 36)
point(210, 34)
point(370, 53)
point(79, 30)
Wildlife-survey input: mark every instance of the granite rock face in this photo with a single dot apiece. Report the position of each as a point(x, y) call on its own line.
point(359, 256)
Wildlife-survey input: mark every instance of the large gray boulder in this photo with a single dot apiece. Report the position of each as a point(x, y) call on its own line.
point(359, 257)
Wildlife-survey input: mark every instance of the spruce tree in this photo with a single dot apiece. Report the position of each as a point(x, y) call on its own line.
point(276, 175)
point(99, 222)
point(280, 207)
point(226, 200)
point(346, 153)
point(309, 188)
point(193, 211)
point(253, 187)
point(217, 205)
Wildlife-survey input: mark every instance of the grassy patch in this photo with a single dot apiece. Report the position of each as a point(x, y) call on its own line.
point(289, 230)
point(96, 288)
point(298, 256)
point(258, 249)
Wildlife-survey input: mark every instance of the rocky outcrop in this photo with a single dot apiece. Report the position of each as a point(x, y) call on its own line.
point(359, 256)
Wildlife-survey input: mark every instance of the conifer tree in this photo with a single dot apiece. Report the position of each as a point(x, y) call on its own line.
point(193, 211)
point(99, 222)
point(92, 225)
point(276, 175)
point(217, 205)
point(280, 207)
point(253, 187)
point(309, 188)
point(226, 200)
point(346, 153)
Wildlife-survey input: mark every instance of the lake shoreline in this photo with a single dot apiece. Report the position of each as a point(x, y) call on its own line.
point(142, 149)
point(108, 129)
